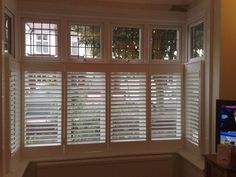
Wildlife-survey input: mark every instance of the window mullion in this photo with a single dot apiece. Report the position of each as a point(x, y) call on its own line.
point(64, 109)
point(108, 110)
point(148, 106)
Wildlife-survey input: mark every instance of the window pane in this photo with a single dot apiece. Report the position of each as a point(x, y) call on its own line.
point(86, 93)
point(41, 39)
point(197, 40)
point(128, 107)
point(126, 43)
point(7, 34)
point(85, 41)
point(165, 44)
point(42, 108)
point(166, 106)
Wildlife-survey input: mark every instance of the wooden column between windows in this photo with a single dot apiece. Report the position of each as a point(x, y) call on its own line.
point(1, 92)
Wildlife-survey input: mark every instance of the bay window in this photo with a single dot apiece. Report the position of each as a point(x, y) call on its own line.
point(97, 106)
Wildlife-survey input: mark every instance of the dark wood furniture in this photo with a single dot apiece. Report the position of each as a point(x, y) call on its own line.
point(214, 169)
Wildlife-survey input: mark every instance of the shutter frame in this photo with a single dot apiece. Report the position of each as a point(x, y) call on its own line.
point(128, 90)
point(87, 127)
point(166, 103)
point(43, 105)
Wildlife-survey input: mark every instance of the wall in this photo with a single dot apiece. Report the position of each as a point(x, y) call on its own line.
point(189, 170)
point(127, 166)
point(228, 54)
point(167, 165)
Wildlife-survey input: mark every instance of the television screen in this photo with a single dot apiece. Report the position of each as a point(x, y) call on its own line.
point(226, 121)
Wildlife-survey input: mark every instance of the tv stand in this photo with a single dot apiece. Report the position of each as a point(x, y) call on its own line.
point(214, 169)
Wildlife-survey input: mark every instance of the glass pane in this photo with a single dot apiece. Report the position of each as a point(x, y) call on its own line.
point(7, 34)
point(86, 38)
point(197, 39)
point(164, 44)
point(125, 43)
point(41, 39)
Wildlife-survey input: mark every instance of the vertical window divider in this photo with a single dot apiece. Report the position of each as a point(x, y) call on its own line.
point(108, 110)
point(148, 105)
point(64, 108)
point(22, 102)
point(7, 122)
point(183, 112)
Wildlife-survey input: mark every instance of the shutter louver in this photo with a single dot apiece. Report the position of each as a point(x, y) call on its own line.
point(192, 107)
point(43, 108)
point(128, 106)
point(15, 110)
point(166, 106)
point(86, 107)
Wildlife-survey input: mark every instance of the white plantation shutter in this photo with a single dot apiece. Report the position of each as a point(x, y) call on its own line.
point(192, 106)
point(128, 106)
point(166, 106)
point(86, 107)
point(42, 108)
point(15, 110)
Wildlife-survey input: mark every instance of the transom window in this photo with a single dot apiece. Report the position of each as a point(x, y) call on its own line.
point(165, 44)
point(126, 42)
point(7, 34)
point(196, 40)
point(41, 39)
point(85, 41)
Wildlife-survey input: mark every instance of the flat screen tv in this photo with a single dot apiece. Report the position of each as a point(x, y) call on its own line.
point(225, 121)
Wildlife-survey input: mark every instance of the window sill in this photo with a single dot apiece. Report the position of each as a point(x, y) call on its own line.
point(194, 159)
point(19, 171)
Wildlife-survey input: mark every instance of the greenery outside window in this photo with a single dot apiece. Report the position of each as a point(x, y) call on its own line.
point(197, 40)
point(85, 41)
point(126, 43)
point(165, 44)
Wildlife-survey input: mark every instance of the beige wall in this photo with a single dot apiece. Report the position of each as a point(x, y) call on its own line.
point(228, 46)
point(11, 5)
point(189, 170)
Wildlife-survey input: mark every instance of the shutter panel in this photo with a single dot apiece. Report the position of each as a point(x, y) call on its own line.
point(192, 107)
point(15, 110)
point(128, 106)
point(166, 106)
point(42, 108)
point(86, 107)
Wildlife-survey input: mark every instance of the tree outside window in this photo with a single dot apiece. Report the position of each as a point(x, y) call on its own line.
point(126, 43)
